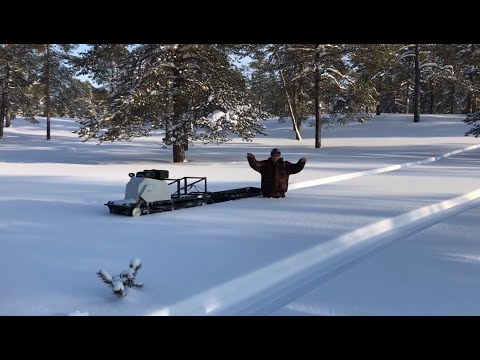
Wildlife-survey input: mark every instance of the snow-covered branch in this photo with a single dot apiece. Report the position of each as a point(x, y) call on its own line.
point(448, 68)
point(406, 54)
point(125, 279)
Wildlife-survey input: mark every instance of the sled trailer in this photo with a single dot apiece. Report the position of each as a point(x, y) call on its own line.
point(152, 191)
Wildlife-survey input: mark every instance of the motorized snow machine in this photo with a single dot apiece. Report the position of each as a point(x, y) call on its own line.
point(151, 191)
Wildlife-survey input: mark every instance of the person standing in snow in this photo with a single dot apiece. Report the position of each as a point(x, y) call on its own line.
point(275, 172)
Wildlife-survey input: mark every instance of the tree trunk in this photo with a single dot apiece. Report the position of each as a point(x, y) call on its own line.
point(318, 127)
point(432, 97)
point(294, 121)
point(416, 95)
point(3, 99)
point(1, 120)
point(378, 109)
point(178, 153)
point(452, 98)
point(469, 101)
point(294, 101)
point(468, 107)
point(474, 95)
point(185, 137)
point(47, 87)
point(407, 100)
point(394, 102)
point(8, 118)
point(301, 103)
point(178, 150)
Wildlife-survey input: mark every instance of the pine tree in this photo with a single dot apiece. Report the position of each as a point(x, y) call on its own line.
point(317, 63)
point(192, 91)
point(266, 90)
point(19, 69)
point(369, 69)
point(473, 119)
point(468, 88)
point(339, 80)
point(425, 62)
point(63, 93)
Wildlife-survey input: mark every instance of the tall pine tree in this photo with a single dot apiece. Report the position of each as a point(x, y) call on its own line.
point(192, 91)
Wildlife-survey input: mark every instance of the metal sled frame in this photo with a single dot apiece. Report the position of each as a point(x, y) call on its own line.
point(189, 191)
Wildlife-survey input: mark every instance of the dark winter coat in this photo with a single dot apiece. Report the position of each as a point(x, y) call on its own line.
point(275, 175)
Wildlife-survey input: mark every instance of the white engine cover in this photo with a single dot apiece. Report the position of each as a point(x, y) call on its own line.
point(148, 189)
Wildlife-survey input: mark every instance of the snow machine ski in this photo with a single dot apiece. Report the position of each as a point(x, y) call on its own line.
point(151, 191)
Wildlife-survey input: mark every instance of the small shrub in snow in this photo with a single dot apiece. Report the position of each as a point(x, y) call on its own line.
point(126, 278)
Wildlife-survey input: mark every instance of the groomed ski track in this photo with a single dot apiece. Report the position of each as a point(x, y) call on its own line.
point(266, 290)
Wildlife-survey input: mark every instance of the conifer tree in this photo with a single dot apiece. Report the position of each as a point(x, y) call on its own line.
point(19, 69)
point(192, 91)
point(319, 63)
point(424, 61)
point(469, 63)
point(63, 93)
point(473, 119)
point(369, 68)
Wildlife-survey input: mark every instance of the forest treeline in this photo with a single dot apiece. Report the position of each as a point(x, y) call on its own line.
point(204, 92)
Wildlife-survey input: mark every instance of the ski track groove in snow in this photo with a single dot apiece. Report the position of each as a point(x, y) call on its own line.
point(304, 184)
point(276, 285)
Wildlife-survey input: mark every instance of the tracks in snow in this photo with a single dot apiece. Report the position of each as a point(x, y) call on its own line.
point(265, 291)
point(304, 184)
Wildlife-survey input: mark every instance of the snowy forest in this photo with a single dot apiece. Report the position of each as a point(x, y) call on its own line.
point(205, 92)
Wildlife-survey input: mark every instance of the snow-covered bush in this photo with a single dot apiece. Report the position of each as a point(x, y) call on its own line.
point(126, 278)
point(473, 119)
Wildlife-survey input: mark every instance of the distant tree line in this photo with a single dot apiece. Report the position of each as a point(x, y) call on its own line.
point(198, 92)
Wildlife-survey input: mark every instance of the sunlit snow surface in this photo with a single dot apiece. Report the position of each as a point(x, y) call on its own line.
point(382, 221)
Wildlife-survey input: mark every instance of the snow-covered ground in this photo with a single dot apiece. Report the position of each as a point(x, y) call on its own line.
point(382, 221)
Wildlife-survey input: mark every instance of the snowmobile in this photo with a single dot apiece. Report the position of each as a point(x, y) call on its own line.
point(152, 191)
